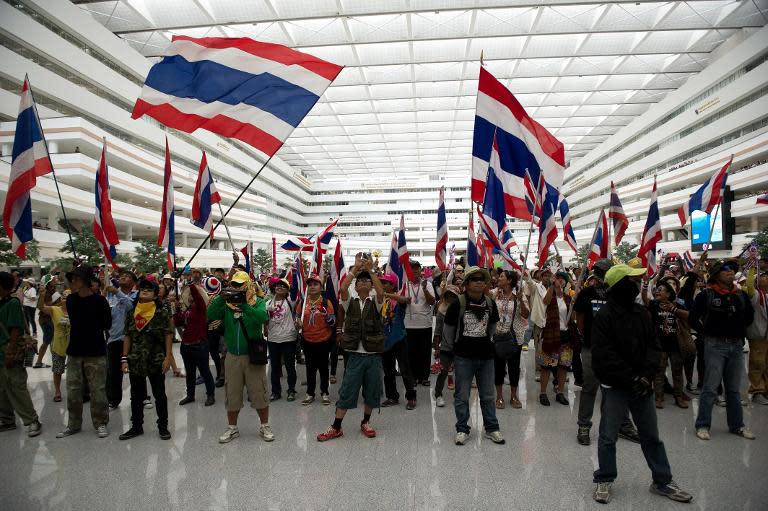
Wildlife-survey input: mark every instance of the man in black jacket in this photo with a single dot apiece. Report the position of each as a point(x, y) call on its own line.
point(721, 314)
point(625, 358)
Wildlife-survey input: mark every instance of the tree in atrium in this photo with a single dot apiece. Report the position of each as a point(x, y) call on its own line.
point(150, 258)
point(762, 243)
point(625, 251)
point(9, 258)
point(262, 261)
point(86, 247)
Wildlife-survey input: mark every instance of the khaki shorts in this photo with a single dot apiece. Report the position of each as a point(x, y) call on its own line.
point(239, 373)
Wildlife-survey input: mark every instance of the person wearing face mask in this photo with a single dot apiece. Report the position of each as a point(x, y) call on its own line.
point(721, 314)
point(625, 357)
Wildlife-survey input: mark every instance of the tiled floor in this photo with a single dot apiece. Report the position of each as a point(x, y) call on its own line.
point(412, 464)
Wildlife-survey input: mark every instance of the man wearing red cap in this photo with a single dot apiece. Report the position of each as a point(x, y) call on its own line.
point(396, 346)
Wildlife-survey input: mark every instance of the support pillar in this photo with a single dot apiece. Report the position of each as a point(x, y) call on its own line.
point(129, 232)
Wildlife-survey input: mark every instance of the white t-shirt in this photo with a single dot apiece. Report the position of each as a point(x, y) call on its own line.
point(418, 314)
point(537, 291)
point(345, 304)
point(30, 297)
point(562, 310)
point(281, 324)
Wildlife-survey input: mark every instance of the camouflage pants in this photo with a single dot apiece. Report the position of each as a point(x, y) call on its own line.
point(14, 395)
point(94, 370)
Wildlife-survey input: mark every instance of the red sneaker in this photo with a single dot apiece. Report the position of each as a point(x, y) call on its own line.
point(330, 434)
point(367, 430)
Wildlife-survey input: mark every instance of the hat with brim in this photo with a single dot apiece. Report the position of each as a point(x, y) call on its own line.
point(619, 271)
point(476, 270)
point(148, 284)
point(389, 277)
point(240, 277)
point(168, 276)
point(315, 277)
point(563, 275)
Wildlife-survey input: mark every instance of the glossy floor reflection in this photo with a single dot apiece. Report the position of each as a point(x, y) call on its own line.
point(412, 464)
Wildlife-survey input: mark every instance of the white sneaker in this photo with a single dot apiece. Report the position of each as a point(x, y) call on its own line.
point(34, 429)
point(744, 433)
point(720, 401)
point(229, 434)
point(760, 399)
point(326, 399)
point(495, 437)
point(703, 434)
point(439, 401)
point(461, 438)
point(266, 433)
point(102, 432)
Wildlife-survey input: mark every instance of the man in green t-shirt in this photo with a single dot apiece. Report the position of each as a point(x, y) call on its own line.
point(14, 394)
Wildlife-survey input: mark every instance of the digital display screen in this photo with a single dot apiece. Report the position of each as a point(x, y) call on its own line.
point(701, 223)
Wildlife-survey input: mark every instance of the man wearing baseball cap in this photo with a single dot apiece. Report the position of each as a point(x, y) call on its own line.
point(721, 314)
point(625, 358)
point(588, 303)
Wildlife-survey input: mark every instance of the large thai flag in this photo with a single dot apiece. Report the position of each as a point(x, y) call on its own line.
point(523, 144)
point(103, 225)
point(393, 266)
point(237, 87)
point(565, 216)
point(402, 253)
point(204, 198)
point(762, 199)
point(338, 269)
point(472, 255)
point(616, 214)
point(294, 243)
point(441, 246)
point(320, 246)
point(707, 196)
point(166, 237)
point(598, 247)
point(651, 234)
point(29, 161)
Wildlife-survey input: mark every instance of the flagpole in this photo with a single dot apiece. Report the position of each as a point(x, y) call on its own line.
point(237, 199)
point(55, 181)
point(221, 211)
point(712, 227)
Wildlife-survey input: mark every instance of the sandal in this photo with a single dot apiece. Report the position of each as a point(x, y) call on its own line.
point(333, 380)
point(57, 399)
point(515, 403)
point(499, 404)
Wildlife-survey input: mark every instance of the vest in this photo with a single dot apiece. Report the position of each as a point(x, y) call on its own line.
point(363, 325)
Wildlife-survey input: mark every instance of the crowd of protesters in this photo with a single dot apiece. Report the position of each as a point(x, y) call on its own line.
point(612, 328)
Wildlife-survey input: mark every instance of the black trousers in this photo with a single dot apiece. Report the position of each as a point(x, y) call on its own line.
point(399, 353)
point(195, 357)
point(501, 364)
point(316, 355)
point(335, 350)
point(139, 392)
point(419, 352)
point(214, 338)
point(577, 367)
point(114, 373)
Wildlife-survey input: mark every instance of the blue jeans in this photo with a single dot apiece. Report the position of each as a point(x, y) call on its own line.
point(282, 354)
point(195, 357)
point(723, 361)
point(483, 371)
point(613, 409)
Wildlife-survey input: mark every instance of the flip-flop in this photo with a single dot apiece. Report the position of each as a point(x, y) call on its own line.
point(499, 404)
point(57, 399)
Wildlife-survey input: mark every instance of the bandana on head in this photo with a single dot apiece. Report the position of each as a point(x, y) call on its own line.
point(143, 314)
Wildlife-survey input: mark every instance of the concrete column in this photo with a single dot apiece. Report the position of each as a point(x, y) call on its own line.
point(184, 239)
point(7, 149)
point(753, 224)
point(670, 235)
point(53, 147)
point(129, 232)
point(53, 221)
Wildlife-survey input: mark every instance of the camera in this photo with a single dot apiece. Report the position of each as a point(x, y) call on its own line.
point(366, 256)
point(233, 296)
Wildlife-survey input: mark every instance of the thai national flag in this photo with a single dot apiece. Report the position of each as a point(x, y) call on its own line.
point(480, 247)
point(393, 266)
point(565, 216)
point(523, 144)
point(598, 248)
point(295, 243)
point(688, 261)
point(236, 87)
point(707, 196)
point(402, 253)
point(651, 234)
point(298, 283)
point(166, 237)
point(472, 255)
point(103, 225)
point(29, 161)
point(320, 246)
point(247, 252)
point(441, 246)
point(547, 225)
point(204, 198)
point(616, 213)
point(338, 270)
point(762, 199)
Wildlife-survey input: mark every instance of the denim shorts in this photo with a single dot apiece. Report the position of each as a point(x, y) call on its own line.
point(362, 371)
point(47, 333)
